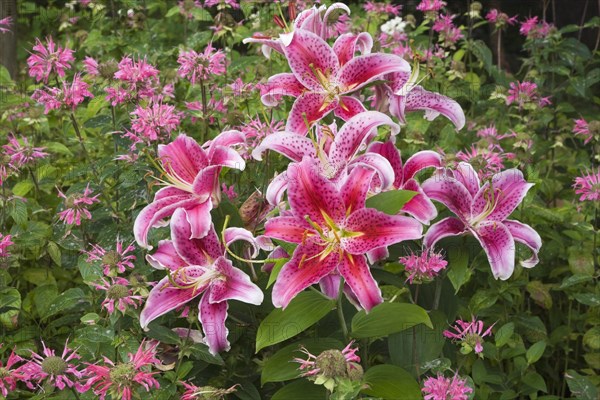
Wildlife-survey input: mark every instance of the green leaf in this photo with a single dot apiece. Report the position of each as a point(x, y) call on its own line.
point(535, 380)
point(163, 334)
point(280, 367)
point(18, 211)
point(458, 267)
point(10, 306)
point(57, 148)
point(300, 390)
point(504, 334)
point(391, 382)
point(22, 188)
point(535, 352)
point(387, 318)
point(303, 311)
point(581, 386)
point(172, 11)
point(574, 280)
point(275, 270)
point(39, 276)
point(390, 202)
point(55, 253)
point(589, 299)
point(65, 301)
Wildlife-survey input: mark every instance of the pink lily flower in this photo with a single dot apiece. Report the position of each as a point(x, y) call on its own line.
point(333, 230)
point(323, 78)
point(482, 211)
point(198, 267)
point(315, 20)
point(192, 173)
point(337, 156)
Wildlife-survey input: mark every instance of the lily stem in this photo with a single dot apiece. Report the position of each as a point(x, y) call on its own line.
point(340, 309)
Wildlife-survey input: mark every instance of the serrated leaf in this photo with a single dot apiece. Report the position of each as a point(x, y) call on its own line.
point(503, 335)
point(388, 318)
point(65, 301)
point(10, 307)
point(306, 309)
point(535, 380)
point(22, 188)
point(535, 352)
point(390, 202)
point(55, 253)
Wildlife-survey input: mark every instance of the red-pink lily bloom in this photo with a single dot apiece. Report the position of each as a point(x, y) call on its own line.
point(315, 20)
point(198, 267)
point(482, 210)
point(333, 230)
point(336, 156)
point(192, 173)
point(323, 78)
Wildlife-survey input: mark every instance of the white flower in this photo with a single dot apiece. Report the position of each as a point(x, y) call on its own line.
point(395, 25)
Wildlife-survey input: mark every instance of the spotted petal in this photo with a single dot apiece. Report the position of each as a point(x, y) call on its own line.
point(499, 245)
point(365, 69)
point(183, 157)
point(166, 257)
point(419, 161)
point(289, 229)
point(385, 174)
point(419, 206)
point(450, 192)
point(356, 186)
point(284, 84)
point(348, 107)
point(372, 229)
point(194, 251)
point(525, 234)
point(357, 275)
point(433, 104)
point(305, 268)
point(291, 145)
point(347, 44)
point(309, 108)
point(392, 154)
point(236, 285)
point(276, 189)
point(212, 316)
point(509, 188)
point(447, 227)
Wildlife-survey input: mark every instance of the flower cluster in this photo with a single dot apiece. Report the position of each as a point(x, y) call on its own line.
point(423, 267)
point(199, 67)
point(75, 206)
point(443, 388)
point(523, 93)
point(49, 58)
point(470, 335)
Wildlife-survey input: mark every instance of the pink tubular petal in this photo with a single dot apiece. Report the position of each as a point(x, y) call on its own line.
point(212, 317)
point(447, 227)
point(165, 257)
point(356, 272)
point(278, 85)
point(330, 285)
point(311, 105)
point(465, 174)
point(499, 245)
point(311, 194)
point(154, 212)
point(354, 133)
point(419, 206)
point(347, 44)
point(289, 229)
point(276, 189)
point(385, 173)
point(435, 104)
point(235, 286)
point(377, 230)
point(291, 145)
point(356, 186)
point(183, 157)
point(194, 251)
point(304, 269)
point(348, 107)
point(450, 192)
point(510, 189)
point(308, 53)
point(525, 234)
point(164, 298)
point(419, 161)
point(362, 70)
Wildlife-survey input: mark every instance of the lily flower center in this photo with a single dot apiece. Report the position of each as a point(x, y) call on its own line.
point(330, 235)
point(491, 197)
point(181, 279)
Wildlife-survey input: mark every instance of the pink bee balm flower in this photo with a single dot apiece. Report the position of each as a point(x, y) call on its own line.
point(488, 160)
point(91, 66)
point(524, 93)
point(75, 92)
point(469, 334)
point(588, 186)
point(482, 211)
point(57, 371)
point(500, 19)
point(382, 8)
point(198, 267)
point(333, 230)
point(323, 78)
point(5, 24)
point(112, 260)
point(534, 29)
point(9, 376)
point(5, 243)
point(201, 66)
point(232, 3)
point(191, 174)
point(423, 267)
point(330, 363)
point(156, 119)
point(76, 206)
point(193, 392)
point(48, 58)
point(430, 5)
point(21, 152)
point(585, 129)
point(121, 380)
point(442, 388)
point(118, 293)
point(133, 71)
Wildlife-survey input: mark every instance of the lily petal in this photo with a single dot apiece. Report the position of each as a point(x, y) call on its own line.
point(307, 54)
point(450, 192)
point(447, 227)
point(510, 188)
point(392, 154)
point(235, 286)
point(525, 234)
point(234, 234)
point(309, 108)
point(199, 219)
point(284, 84)
point(227, 157)
point(499, 245)
point(212, 317)
point(348, 107)
point(206, 183)
point(356, 272)
point(419, 206)
point(166, 257)
point(194, 251)
point(378, 254)
point(362, 70)
point(419, 161)
point(276, 189)
point(356, 186)
point(385, 174)
point(465, 174)
point(305, 268)
point(228, 138)
point(347, 44)
point(311, 194)
point(434, 104)
point(376, 229)
point(289, 229)
point(330, 285)
point(291, 145)
point(183, 157)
